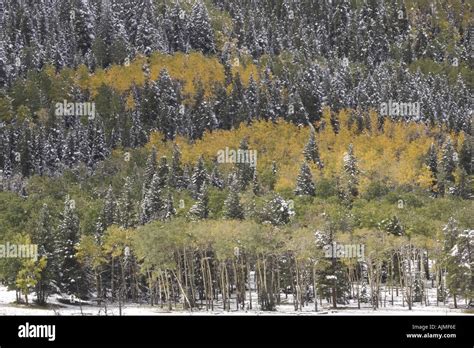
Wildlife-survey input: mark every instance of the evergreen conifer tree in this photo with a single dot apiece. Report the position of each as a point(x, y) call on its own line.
point(200, 210)
point(232, 207)
point(71, 278)
point(304, 182)
point(201, 36)
point(311, 151)
point(199, 177)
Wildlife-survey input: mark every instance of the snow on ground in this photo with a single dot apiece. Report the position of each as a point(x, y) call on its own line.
point(8, 307)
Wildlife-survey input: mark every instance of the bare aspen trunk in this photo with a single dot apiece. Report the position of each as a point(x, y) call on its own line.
point(192, 277)
point(150, 286)
point(314, 290)
point(242, 290)
point(204, 283)
point(294, 288)
point(227, 283)
point(278, 287)
point(211, 287)
point(182, 291)
point(334, 290)
point(358, 282)
point(259, 280)
point(186, 282)
point(97, 285)
point(168, 291)
point(392, 271)
point(237, 290)
point(250, 286)
point(112, 275)
point(298, 288)
point(272, 286)
point(265, 282)
point(401, 277)
point(223, 292)
point(160, 290)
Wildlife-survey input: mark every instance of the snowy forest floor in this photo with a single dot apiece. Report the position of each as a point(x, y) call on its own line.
point(54, 307)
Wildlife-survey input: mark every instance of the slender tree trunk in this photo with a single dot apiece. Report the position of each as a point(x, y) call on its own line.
point(223, 287)
point(358, 282)
point(237, 290)
point(298, 288)
point(392, 271)
point(314, 290)
point(242, 289)
point(278, 286)
point(204, 282)
point(227, 287)
point(250, 286)
point(211, 286)
point(150, 286)
point(97, 286)
point(334, 290)
point(169, 289)
point(112, 275)
point(183, 291)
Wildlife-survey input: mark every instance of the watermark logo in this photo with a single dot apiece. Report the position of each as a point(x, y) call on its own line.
point(71, 203)
point(75, 109)
point(291, 205)
point(345, 62)
point(394, 108)
point(23, 251)
point(236, 62)
point(336, 250)
point(37, 331)
point(237, 156)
